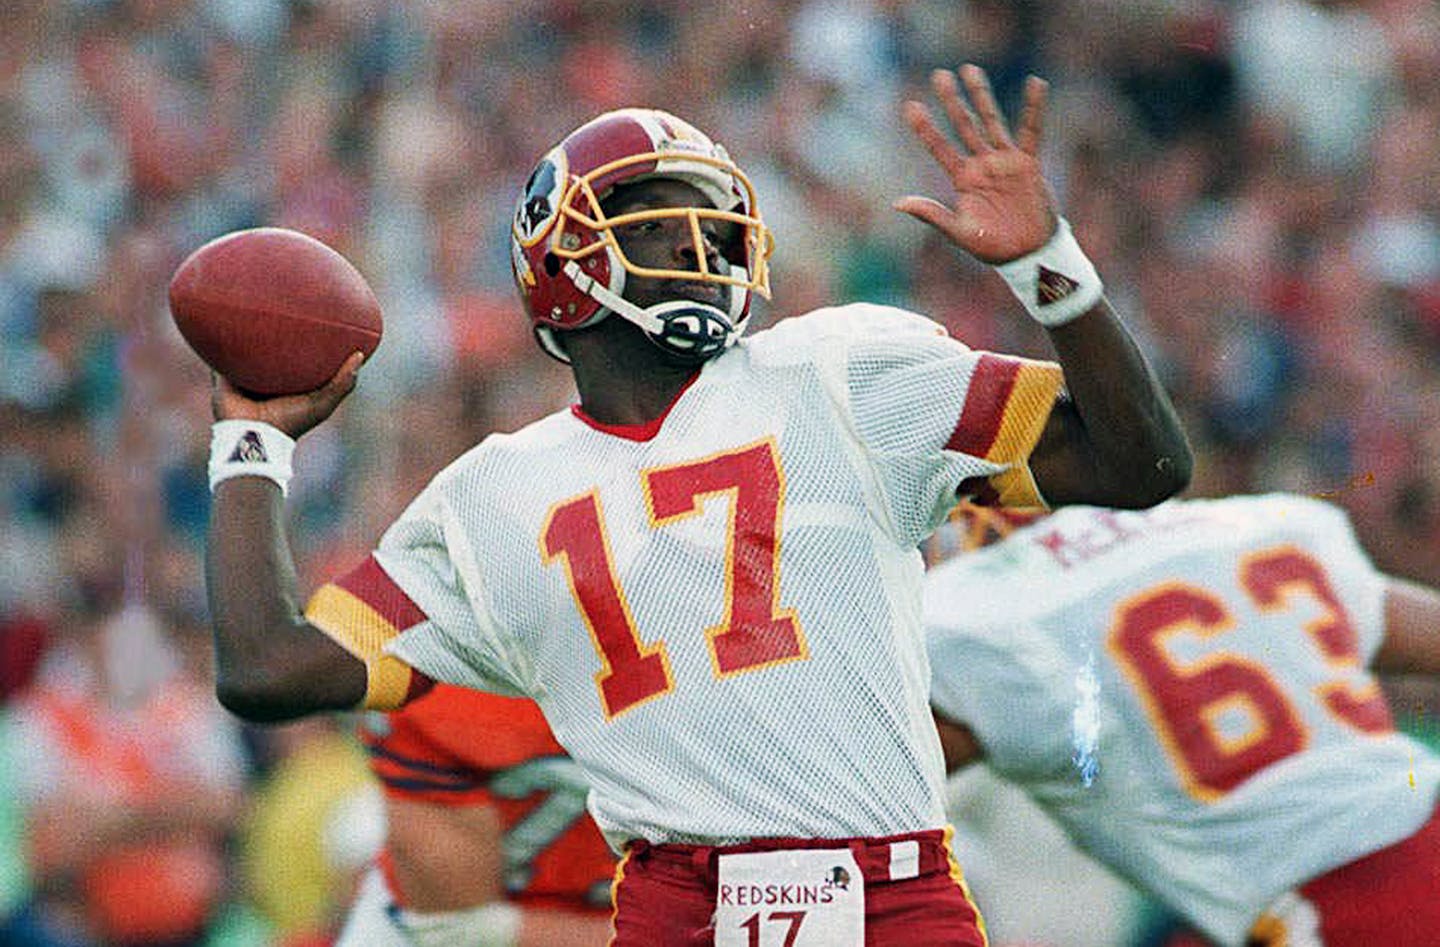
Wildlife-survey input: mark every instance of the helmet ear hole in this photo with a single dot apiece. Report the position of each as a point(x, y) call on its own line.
point(552, 264)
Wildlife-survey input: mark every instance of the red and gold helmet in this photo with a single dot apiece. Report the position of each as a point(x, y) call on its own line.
point(569, 266)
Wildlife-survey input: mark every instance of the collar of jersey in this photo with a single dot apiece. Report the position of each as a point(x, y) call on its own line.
point(637, 432)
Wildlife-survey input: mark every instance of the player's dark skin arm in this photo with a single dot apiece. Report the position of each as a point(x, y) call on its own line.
point(1115, 440)
point(270, 663)
point(958, 743)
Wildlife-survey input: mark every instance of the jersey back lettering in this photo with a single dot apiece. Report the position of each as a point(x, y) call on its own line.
point(1185, 690)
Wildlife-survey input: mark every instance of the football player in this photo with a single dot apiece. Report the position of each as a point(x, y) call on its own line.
point(487, 837)
point(705, 572)
point(1190, 692)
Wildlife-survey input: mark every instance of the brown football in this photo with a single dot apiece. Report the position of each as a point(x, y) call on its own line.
point(273, 310)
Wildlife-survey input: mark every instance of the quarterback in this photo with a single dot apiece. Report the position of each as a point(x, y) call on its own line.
point(1187, 692)
point(705, 572)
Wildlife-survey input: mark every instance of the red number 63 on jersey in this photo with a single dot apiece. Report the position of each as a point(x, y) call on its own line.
point(1184, 700)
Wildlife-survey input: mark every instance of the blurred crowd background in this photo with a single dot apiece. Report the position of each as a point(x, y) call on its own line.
point(1258, 182)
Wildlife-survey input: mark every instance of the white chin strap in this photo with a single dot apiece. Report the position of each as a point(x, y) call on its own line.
point(682, 327)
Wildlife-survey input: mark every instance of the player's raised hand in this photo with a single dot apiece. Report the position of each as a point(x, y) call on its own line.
point(1002, 208)
point(293, 414)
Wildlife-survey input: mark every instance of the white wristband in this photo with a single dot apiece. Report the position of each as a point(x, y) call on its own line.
point(1056, 283)
point(250, 449)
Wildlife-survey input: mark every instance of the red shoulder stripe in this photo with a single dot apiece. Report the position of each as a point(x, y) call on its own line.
point(1006, 406)
point(373, 586)
point(985, 400)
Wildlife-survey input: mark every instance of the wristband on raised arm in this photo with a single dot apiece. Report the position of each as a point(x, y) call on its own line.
point(1057, 283)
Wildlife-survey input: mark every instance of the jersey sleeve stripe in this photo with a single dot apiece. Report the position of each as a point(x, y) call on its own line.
point(985, 398)
point(373, 586)
point(1006, 407)
point(1032, 398)
point(363, 631)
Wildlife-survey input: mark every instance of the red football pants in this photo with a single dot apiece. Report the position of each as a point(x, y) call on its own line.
point(665, 894)
point(1389, 897)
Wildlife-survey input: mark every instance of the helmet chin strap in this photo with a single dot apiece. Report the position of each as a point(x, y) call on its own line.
point(689, 330)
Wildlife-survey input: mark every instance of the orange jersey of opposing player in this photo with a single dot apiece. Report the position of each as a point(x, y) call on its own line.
point(459, 747)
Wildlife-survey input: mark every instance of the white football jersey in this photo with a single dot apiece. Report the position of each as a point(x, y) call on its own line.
point(1185, 690)
point(719, 613)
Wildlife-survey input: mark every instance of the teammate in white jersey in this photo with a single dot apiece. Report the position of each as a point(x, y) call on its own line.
point(1187, 691)
point(705, 573)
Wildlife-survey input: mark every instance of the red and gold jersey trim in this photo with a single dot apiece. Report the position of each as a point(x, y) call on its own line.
point(1006, 406)
point(362, 611)
point(957, 875)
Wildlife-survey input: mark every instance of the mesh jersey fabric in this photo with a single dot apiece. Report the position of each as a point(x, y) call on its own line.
point(1020, 631)
point(721, 621)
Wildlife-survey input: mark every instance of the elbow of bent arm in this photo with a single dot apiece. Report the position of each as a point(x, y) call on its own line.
point(254, 698)
point(1125, 466)
point(1170, 475)
point(1151, 475)
point(1180, 469)
point(268, 674)
point(1172, 462)
point(250, 678)
point(1173, 470)
point(1138, 486)
point(240, 700)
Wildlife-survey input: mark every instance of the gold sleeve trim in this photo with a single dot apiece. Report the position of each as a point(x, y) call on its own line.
point(1031, 401)
point(362, 631)
point(1016, 487)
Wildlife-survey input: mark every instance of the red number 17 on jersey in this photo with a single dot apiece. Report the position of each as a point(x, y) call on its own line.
point(754, 631)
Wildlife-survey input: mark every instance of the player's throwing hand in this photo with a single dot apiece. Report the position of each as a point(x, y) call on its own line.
point(1003, 208)
point(291, 414)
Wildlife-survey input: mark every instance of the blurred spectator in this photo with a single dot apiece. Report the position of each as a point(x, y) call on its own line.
point(21, 924)
point(1321, 69)
point(1174, 71)
point(313, 828)
point(130, 779)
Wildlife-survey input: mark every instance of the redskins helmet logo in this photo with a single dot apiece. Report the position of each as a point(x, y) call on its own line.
point(541, 199)
point(523, 274)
